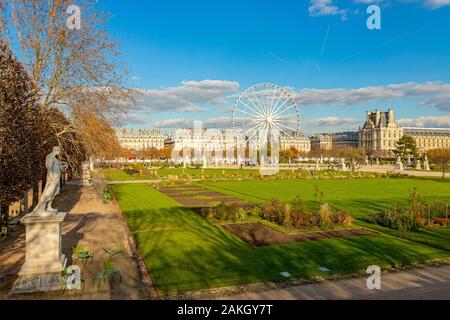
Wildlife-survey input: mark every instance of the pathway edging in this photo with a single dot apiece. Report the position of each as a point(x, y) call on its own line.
point(142, 268)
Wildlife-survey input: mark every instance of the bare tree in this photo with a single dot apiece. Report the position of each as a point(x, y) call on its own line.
point(76, 71)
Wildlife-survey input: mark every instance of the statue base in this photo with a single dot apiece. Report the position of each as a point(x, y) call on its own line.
point(399, 167)
point(44, 260)
point(268, 171)
point(45, 282)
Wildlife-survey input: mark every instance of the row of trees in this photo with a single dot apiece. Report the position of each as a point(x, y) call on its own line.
point(65, 88)
point(407, 148)
point(150, 153)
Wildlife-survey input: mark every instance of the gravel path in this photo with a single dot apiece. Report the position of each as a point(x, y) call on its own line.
point(90, 223)
point(431, 283)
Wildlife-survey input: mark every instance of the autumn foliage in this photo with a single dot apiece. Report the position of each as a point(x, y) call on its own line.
point(441, 158)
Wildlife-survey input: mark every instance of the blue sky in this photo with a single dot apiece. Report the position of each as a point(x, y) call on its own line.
point(191, 58)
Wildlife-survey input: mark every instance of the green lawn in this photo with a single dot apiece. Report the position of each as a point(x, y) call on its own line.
point(184, 252)
point(356, 196)
point(117, 175)
point(211, 173)
point(120, 175)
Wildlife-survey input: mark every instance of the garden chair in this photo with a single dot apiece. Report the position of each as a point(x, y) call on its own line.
point(110, 272)
point(82, 254)
point(112, 251)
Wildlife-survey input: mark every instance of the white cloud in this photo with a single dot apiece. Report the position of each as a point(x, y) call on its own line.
point(433, 94)
point(332, 121)
point(430, 122)
point(435, 4)
point(368, 1)
point(190, 96)
point(134, 119)
point(319, 8)
point(212, 123)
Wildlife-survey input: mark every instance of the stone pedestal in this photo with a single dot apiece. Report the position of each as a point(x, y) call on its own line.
point(317, 167)
point(343, 165)
point(269, 170)
point(44, 259)
point(426, 164)
point(399, 166)
point(418, 165)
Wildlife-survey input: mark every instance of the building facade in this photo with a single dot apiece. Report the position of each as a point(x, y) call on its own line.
point(295, 140)
point(344, 140)
point(222, 143)
point(140, 139)
point(321, 142)
point(198, 143)
point(380, 134)
point(429, 138)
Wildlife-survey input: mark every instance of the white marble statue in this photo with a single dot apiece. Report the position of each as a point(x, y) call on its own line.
point(343, 165)
point(52, 185)
point(418, 165)
point(408, 162)
point(399, 164)
point(426, 164)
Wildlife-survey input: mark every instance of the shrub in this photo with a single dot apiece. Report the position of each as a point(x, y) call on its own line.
point(439, 209)
point(324, 215)
point(341, 218)
point(442, 221)
point(419, 213)
point(131, 172)
point(221, 211)
point(397, 219)
point(300, 213)
point(255, 212)
point(273, 211)
point(286, 217)
point(207, 213)
point(241, 214)
point(224, 212)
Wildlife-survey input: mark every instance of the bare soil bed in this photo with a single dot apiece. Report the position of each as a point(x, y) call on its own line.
point(259, 235)
point(198, 197)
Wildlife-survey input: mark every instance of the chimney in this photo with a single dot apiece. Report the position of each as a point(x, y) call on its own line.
point(391, 115)
point(378, 117)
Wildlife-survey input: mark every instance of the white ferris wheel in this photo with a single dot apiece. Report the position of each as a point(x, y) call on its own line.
point(266, 111)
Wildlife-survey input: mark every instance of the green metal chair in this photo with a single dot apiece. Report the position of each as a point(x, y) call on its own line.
point(79, 253)
point(112, 251)
point(110, 273)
